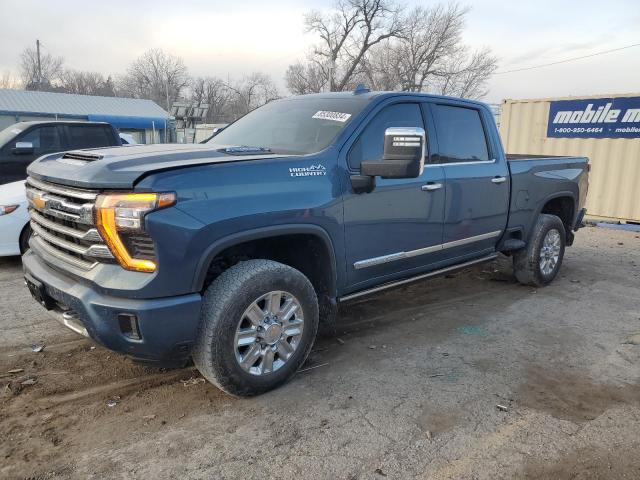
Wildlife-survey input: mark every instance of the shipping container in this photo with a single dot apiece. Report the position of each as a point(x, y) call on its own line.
point(605, 128)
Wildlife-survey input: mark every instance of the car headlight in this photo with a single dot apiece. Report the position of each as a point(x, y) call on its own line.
point(120, 221)
point(7, 209)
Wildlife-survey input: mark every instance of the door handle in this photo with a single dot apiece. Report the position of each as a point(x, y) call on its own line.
point(499, 179)
point(431, 186)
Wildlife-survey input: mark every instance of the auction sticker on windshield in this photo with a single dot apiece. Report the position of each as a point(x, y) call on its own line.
point(336, 116)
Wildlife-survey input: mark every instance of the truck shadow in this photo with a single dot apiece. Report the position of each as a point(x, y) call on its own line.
point(10, 263)
point(463, 295)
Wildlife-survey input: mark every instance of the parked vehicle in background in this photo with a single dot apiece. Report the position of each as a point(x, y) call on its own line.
point(23, 142)
point(14, 219)
point(127, 139)
point(233, 252)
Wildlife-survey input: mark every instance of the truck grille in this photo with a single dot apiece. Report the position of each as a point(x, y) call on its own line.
point(62, 220)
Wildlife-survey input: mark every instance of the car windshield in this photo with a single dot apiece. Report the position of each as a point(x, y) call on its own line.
point(295, 126)
point(9, 133)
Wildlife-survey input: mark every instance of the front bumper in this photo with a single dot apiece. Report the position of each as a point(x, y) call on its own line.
point(167, 326)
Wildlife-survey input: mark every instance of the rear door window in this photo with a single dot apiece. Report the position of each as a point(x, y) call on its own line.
point(461, 135)
point(90, 136)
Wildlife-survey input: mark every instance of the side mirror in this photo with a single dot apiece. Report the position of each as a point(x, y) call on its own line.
point(23, 148)
point(404, 151)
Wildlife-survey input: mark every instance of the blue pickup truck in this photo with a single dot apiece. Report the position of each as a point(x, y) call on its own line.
point(234, 251)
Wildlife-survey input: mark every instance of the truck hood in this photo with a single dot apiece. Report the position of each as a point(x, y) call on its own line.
point(121, 167)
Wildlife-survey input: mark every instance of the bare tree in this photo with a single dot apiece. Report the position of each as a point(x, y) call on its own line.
point(86, 83)
point(214, 92)
point(251, 92)
point(467, 75)
point(431, 55)
point(7, 80)
point(347, 34)
point(381, 68)
point(433, 37)
point(306, 78)
point(421, 50)
point(43, 76)
point(156, 76)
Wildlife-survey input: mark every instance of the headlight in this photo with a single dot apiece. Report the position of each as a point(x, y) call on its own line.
point(7, 209)
point(121, 215)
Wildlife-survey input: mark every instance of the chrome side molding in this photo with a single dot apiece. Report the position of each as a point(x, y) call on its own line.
point(392, 257)
point(423, 276)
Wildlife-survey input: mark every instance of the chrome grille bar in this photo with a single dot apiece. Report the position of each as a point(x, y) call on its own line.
point(64, 191)
point(60, 207)
point(94, 251)
point(90, 235)
point(62, 220)
point(40, 244)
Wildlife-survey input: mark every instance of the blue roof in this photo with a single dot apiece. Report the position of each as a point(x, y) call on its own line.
point(159, 123)
point(118, 111)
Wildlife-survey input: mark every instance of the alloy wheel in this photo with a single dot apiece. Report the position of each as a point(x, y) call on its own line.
point(550, 251)
point(269, 333)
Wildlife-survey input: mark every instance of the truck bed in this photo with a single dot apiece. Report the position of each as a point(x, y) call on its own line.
point(515, 157)
point(536, 178)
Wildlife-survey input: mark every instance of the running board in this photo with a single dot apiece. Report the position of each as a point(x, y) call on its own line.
point(422, 276)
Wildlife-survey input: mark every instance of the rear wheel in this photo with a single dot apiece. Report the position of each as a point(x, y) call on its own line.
point(258, 323)
point(539, 263)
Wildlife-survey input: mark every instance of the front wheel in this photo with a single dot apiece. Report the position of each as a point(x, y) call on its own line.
point(539, 263)
point(258, 323)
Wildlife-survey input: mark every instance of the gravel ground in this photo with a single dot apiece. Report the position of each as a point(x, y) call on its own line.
point(471, 376)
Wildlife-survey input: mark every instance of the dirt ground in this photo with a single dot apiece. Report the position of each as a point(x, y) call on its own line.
point(470, 376)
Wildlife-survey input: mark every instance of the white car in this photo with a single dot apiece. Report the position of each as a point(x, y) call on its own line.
point(127, 139)
point(14, 219)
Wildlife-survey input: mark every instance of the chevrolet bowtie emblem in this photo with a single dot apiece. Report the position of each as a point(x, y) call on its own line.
point(38, 202)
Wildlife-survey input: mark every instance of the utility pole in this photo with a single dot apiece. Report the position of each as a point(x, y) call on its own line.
point(39, 65)
point(168, 108)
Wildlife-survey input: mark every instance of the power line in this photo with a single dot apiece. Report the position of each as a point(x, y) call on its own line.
point(567, 60)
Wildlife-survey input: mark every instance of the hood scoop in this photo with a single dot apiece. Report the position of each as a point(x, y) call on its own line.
point(79, 157)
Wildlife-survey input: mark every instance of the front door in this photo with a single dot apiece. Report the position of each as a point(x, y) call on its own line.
point(477, 180)
point(389, 231)
point(44, 139)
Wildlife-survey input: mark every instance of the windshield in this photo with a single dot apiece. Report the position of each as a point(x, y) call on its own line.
point(9, 133)
point(295, 126)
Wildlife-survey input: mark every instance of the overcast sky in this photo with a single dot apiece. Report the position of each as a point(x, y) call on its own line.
point(235, 37)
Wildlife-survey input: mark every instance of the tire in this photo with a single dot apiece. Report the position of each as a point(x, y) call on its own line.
point(535, 265)
point(229, 312)
point(25, 235)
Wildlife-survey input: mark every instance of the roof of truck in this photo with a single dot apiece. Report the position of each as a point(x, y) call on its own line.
point(366, 94)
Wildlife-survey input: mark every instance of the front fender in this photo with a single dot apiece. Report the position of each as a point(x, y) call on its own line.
point(221, 244)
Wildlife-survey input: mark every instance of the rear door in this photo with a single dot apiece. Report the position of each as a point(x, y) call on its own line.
point(391, 230)
point(90, 136)
point(44, 139)
point(476, 179)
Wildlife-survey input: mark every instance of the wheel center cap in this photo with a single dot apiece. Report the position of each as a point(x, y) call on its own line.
point(272, 333)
